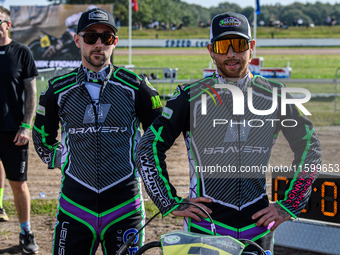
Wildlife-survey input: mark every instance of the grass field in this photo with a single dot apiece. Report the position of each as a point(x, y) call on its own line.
point(190, 67)
point(262, 32)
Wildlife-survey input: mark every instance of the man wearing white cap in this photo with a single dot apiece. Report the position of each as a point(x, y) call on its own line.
point(229, 144)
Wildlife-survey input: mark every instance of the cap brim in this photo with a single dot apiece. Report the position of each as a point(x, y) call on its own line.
point(100, 22)
point(230, 33)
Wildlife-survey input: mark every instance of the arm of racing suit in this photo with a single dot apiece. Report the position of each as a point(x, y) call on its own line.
point(306, 147)
point(148, 103)
point(150, 154)
point(46, 127)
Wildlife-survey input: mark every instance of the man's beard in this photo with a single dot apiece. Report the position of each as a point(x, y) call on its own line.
point(93, 62)
point(236, 73)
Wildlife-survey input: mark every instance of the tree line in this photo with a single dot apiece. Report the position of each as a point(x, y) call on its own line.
point(177, 12)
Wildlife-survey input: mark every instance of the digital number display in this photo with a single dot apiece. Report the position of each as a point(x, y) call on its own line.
point(324, 201)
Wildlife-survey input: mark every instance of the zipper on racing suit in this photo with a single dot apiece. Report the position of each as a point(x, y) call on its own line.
point(239, 175)
point(98, 150)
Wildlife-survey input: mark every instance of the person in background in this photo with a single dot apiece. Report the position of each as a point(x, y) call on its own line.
point(99, 107)
point(224, 145)
point(66, 38)
point(17, 105)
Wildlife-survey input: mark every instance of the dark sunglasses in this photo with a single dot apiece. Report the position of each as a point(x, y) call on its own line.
point(91, 38)
point(238, 45)
point(3, 20)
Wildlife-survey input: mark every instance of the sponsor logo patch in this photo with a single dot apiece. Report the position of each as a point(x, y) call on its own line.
point(41, 110)
point(229, 22)
point(167, 113)
point(150, 85)
point(98, 15)
point(177, 92)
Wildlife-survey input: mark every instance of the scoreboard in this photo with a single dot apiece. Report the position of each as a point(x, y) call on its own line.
point(324, 201)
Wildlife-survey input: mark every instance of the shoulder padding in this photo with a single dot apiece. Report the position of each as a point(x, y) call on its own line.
point(198, 87)
point(211, 81)
point(61, 81)
point(127, 77)
point(264, 83)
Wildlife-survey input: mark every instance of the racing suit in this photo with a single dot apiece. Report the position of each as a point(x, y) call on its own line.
point(100, 198)
point(222, 146)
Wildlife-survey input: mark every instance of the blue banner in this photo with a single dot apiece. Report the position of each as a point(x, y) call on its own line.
point(258, 8)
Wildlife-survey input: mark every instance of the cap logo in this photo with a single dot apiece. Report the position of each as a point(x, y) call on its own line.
point(229, 22)
point(98, 15)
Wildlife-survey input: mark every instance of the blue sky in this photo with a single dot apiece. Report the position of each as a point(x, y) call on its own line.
point(205, 3)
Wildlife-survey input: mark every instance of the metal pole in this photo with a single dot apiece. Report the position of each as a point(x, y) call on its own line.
point(255, 27)
point(130, 32)
point(336, 89)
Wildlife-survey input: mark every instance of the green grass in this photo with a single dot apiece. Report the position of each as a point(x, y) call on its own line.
point(190, 67)
point(38, 207)
point(262, 32)
point(185, 33)
point(306, 66)
point(151, 209)
point(325, 119)
point(299, 32)
point(315, 88)
point(322, 110)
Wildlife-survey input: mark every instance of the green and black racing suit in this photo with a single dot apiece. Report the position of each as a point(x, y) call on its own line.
point(100, 198)
point(228, 153)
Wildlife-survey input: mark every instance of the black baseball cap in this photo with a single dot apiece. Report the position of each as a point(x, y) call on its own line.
point(96, 16)
point(229, 23)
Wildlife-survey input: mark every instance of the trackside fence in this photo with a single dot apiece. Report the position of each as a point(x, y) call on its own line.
point(336, 90)
point(165, 81)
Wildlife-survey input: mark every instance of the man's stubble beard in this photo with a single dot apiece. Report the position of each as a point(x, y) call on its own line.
point(239, 73)
point(92, 62)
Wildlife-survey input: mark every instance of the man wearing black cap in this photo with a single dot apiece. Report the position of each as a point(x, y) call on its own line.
point(99, 107)
point(229, 142)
